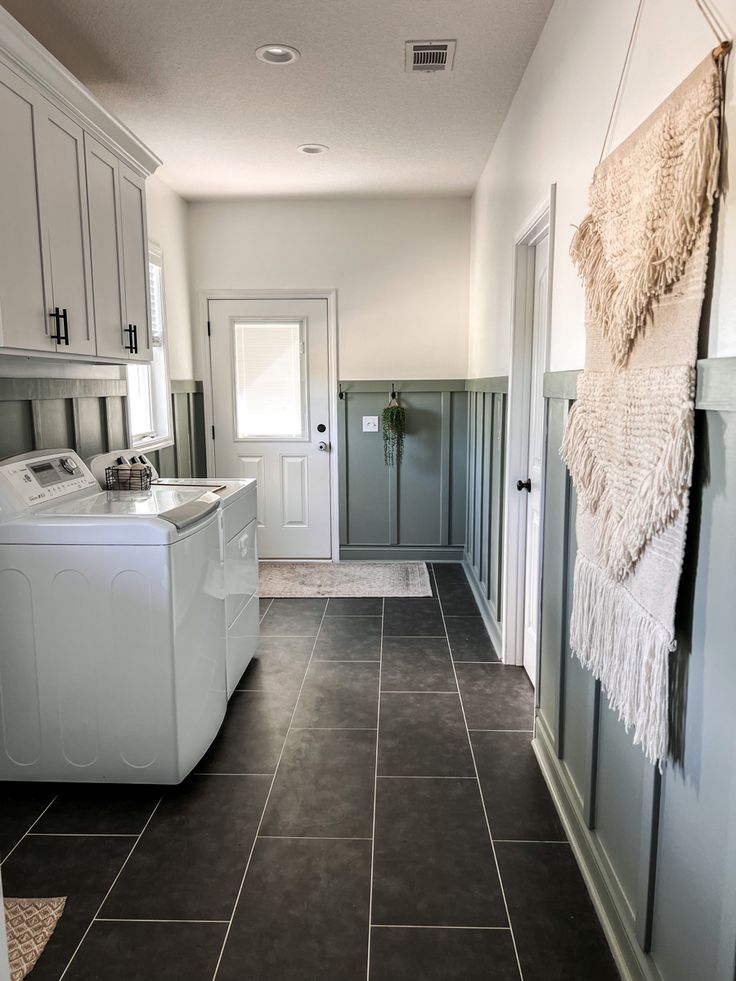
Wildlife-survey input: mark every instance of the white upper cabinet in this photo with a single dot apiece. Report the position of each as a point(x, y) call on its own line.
point(60, 146)
point(23, 321)
point(73, 237)
point(105, 236)
point(135, 262)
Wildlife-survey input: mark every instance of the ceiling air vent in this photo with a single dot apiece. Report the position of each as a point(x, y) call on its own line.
point(430, 56)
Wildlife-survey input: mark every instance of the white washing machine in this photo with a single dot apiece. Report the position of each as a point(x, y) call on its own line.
point(239, 522)
point(112, 654)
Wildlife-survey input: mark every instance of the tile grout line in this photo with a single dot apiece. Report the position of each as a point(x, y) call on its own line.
point(500, 730)
point(375, 792)
point(265, 803)
point(313, 838)
point(29, 829)
point(112, 886)
point(342, 660)
point(400, 691)
point(206, 773)
point(333, 728)
point(432, 926)
point(130, 919)
point(80, 834)
point(421, 776)
point(480, 793)
point(532, 841)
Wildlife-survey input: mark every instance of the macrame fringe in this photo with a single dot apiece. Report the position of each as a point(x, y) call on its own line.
point(578, 453)
point(621, 307)
point(628, 650)
point(656, 503)
point(658, 500)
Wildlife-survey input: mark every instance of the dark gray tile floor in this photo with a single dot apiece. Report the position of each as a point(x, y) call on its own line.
point(371, 811)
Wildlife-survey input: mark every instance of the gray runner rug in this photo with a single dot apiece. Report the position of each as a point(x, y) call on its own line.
point(344, 579)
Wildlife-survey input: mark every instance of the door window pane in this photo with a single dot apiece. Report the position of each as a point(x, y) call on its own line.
point(269, 380)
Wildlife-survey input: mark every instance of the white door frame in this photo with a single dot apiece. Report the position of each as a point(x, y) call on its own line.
point(330, 295)
point(539, 224)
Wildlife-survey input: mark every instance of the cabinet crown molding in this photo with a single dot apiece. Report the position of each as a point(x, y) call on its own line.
point(24, 55)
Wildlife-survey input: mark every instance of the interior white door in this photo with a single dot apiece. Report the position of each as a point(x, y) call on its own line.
point(270, 394)
point(536, 458)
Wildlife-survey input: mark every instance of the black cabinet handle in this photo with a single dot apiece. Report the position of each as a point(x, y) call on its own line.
point(135, 338)
point(66, 326)
point(129, 331)
point(56, 315)
point(524, 485)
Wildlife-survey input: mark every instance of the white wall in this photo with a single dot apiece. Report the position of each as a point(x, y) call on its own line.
point(400, 267)
point(167, 227)
point(554, 132)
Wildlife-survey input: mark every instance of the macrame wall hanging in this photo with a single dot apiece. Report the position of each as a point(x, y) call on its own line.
point(642, 253)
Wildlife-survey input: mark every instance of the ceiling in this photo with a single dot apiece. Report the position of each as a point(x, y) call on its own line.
point(183, 76)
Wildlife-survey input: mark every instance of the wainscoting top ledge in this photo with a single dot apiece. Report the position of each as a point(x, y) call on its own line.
point(183, 386)
point(22, 389)
point(716, 387)
point(499, 384)
point(409, 385)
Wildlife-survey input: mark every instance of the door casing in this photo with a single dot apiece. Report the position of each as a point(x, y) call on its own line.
point(541, 222)
point(330, 296)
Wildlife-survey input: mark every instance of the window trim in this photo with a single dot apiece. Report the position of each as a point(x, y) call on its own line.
point(153, 442)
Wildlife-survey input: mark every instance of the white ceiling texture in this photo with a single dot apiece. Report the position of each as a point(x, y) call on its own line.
point(183, 75)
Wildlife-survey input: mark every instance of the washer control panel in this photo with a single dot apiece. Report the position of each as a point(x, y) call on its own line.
point(43, 476)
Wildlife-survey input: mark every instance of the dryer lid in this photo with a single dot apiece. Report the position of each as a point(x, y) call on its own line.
point(116, 518)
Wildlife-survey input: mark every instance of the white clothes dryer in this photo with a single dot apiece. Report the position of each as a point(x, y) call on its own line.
point(112, 654)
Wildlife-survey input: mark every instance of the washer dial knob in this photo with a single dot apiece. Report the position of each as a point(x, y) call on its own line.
point(68, 464)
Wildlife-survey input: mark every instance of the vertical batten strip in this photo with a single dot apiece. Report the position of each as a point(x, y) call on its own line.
point(37, 425)
point(480, 455)
point(109, 425)
point(651, 800)
point(486, 497)
point(445, 465)
point(77, 426)
point(500, 444)
point(342, 463)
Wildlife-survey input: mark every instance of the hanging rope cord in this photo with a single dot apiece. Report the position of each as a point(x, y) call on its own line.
point(711, 20)
point(624, 69)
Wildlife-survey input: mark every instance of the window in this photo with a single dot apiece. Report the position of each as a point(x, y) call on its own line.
point(149, 397)
point(269, 380)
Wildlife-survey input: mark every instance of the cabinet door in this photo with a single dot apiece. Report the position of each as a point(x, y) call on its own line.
point(135, 259)
point(105, 241)
point(23, 322)
point(60, 144)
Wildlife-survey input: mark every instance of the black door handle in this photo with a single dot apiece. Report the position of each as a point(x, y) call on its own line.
point(66, 326)
point(135, 338)
point(524, 485)
point(129, 331)
point(56, 315)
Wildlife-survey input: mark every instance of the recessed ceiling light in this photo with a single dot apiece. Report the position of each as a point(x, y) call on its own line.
point(277, 54)
point(312, 148)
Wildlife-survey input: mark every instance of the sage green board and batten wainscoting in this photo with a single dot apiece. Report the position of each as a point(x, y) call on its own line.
point(483, 558)
point(658, 853)
point(88, 415)
point(416, 510)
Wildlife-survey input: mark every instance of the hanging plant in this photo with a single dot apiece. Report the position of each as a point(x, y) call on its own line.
point(394, 430)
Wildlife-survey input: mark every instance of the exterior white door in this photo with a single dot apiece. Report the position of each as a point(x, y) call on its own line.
point(270, 385)
point(536, 458)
